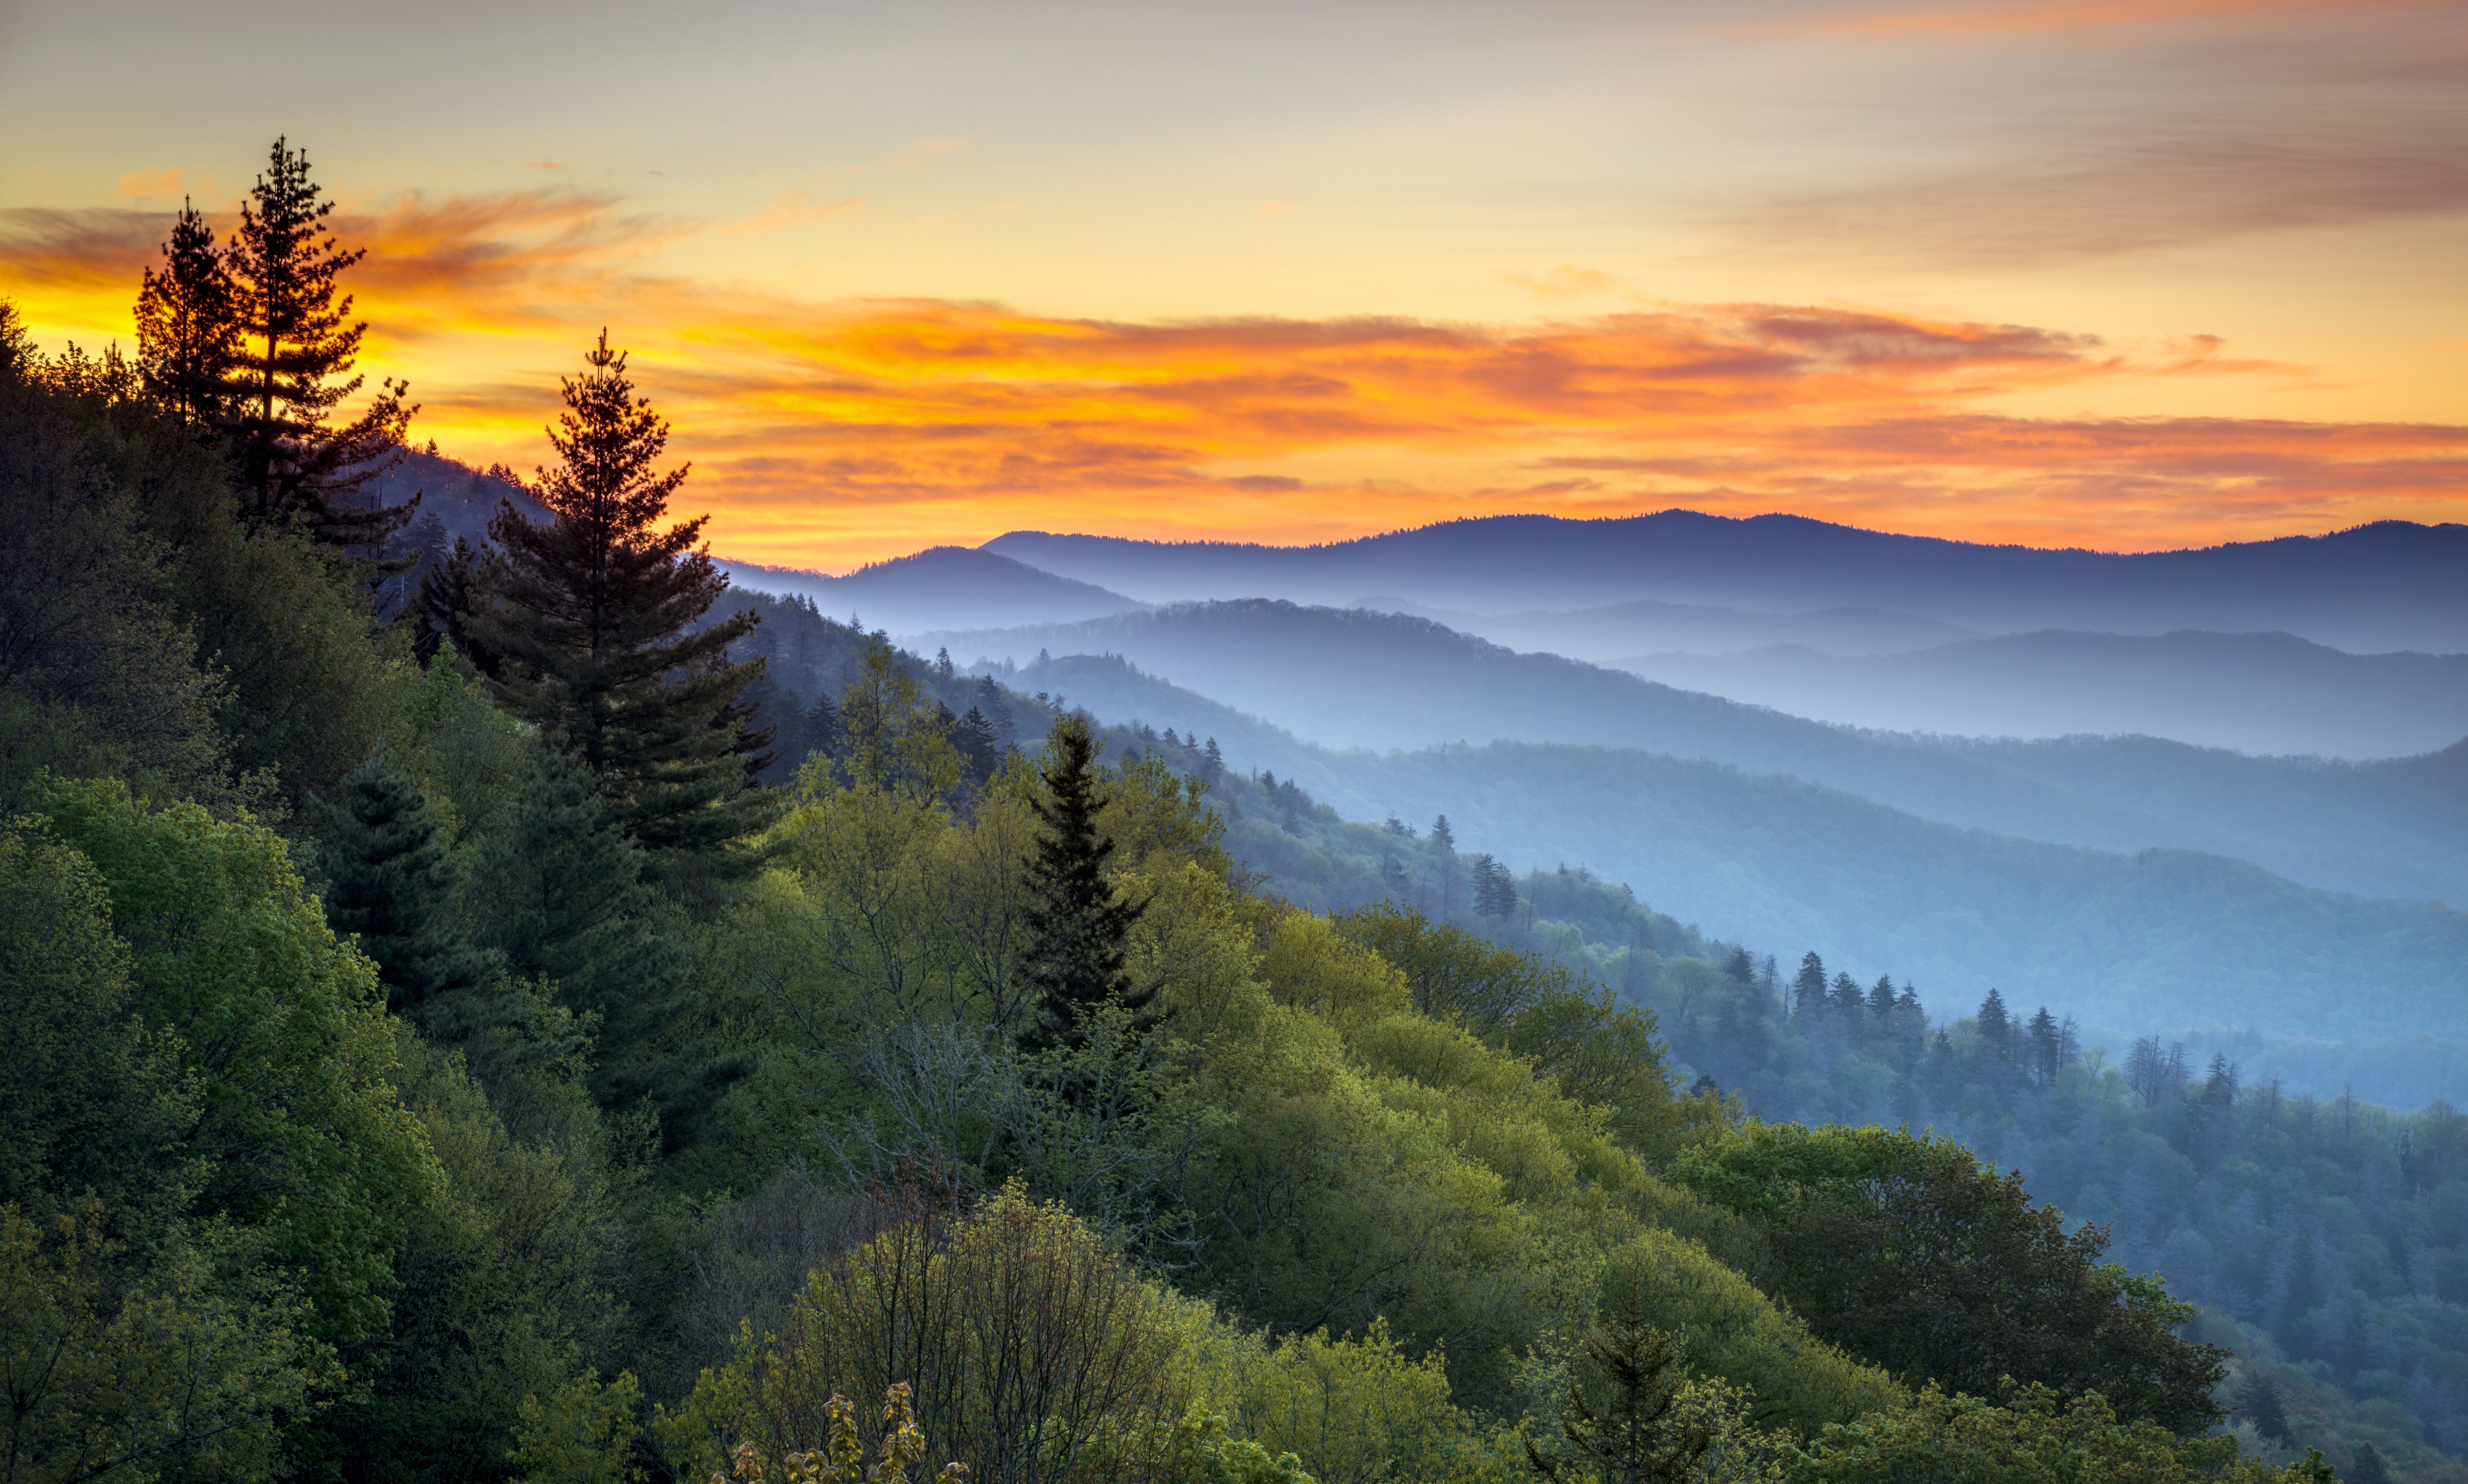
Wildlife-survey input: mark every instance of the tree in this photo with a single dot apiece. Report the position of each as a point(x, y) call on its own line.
point(2036, 1436)
point(1077, 922)
point(1995, 1026)
point(449, 594)
point(2270, 1415)
point(291, 371)
point(593, 613)
point(563, 889)
point(2367, 1467)
point(1632, 1436)
point(397, 890)
point(1452, 973)
point(1808, 989)
point(187, 327)
point(975, 736)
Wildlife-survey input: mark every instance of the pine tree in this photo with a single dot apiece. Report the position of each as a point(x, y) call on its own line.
point(187, 327)
point(1881, 997)
point(2367, 1467)
point(293, 370)
point(1077, 926)
point(563, 888)
point(396, 887)
point(975, 736)
point(989, 702)
point(448, 596)
point(1633, 1437)
point(1441, 834)
point(1808, 989)
point(593, 614)
point(1212, 764)
point(2046, 1046)
point(1995, 1026)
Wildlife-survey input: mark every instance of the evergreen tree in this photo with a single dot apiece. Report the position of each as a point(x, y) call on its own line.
point(989, 704)
point(825, 730)
point(2046, 1046)
point(448, 595)
point(1995, 1026)
point(975, 736)
point(187, 328)
point(293, 369)
point(563, 888)
point(396, 887)
point(2367, 1467)
point(1808, 988)
point(1212, 764)
point(1848, 1001)
point(1631, 1436)
point(1881, 997)
point(593, 613)
point(2264, 1408)
point(1441, 834)
point(1076, 924)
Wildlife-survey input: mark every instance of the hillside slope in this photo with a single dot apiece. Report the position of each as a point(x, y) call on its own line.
point(943, 586)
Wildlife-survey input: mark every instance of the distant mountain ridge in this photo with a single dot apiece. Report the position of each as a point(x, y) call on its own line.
point(2118, 938)
point(2272, 693)
point(939, 587)
point(2385, 586)
point(1349, 678)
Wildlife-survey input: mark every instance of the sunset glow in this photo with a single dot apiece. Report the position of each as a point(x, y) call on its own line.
point(838, 415)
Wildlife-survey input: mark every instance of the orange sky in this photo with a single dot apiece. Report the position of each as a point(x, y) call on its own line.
point(2222, 336)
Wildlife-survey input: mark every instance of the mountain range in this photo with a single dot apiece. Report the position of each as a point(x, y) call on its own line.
point(2386, 586)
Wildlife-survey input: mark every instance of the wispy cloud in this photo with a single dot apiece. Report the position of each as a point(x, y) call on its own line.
point(836, 432)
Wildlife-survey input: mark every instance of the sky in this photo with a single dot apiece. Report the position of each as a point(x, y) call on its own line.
point(2125, 274)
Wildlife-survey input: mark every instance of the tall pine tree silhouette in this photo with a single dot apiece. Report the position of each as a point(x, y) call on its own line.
point(590, 620)
point(1077, 924)
point(187, 327)
point(291, 370)
point(1631, 1435)
point(394, 885)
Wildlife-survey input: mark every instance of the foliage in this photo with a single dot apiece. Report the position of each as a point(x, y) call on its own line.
point(582, 1434)
point(1905, 1251)
point(2034, 1435)
point(284, 1029)
point(1035, 1351)
point(1638, 1433)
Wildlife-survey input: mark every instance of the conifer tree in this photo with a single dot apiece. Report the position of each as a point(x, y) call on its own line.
point(1881, 997)
point(975, 736)
point(593, 615)
point(563, 888)
point(2269, 1416)
point(1631, 1436)
point(1995, 1026)
point(2367, 1467)
point(1808, 989)
point(1077, 924)
point(449, 594)
point(293, 370)
point(396, 887)
point(187, 327)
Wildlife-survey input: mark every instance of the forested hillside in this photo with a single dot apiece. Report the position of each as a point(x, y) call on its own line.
point(572, 1024)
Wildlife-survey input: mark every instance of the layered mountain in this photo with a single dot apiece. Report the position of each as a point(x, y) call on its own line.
point(940, 587)
point(2133, 938)
point(2386, 586)
point(2268, 693)
point(1351, 678)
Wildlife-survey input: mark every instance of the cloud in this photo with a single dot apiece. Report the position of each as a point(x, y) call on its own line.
point(794, 209)
point(141, 184)
point(1568, 280)
point(826, 433)
point(2037, 18)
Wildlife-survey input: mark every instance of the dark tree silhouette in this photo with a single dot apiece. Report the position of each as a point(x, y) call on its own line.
point(295, 352)
point(187, 328)
point(591, 615)
point(1077, 924)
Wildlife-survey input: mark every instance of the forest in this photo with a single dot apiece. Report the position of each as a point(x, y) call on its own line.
point(514, 1009)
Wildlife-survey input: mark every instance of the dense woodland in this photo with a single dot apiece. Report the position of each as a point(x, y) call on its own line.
point(506, 1008)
